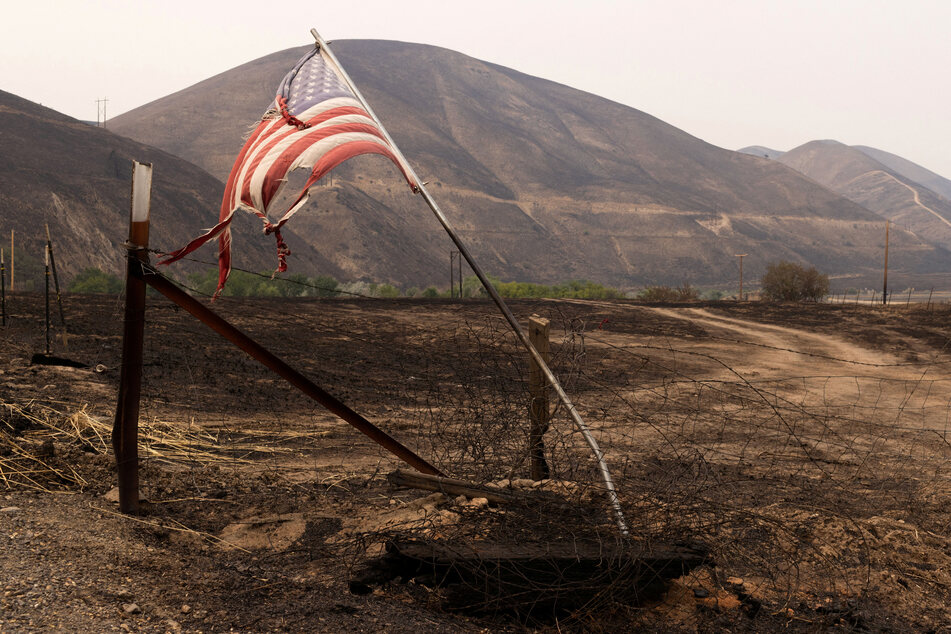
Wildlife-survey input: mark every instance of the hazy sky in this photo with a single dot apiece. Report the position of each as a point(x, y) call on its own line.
point(732, 72)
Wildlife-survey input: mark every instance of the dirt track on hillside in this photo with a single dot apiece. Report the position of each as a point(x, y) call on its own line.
point(804, 445)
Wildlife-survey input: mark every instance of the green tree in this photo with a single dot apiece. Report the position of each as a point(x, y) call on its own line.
point(386, 290)
point(791, 282)
point(93, 280)
point(472, 287)
point(326, 286)
point(683, 293)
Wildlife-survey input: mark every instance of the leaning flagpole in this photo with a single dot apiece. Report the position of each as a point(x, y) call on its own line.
point(490, 289)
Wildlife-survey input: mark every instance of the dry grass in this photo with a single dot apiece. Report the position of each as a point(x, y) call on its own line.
point(30, 434)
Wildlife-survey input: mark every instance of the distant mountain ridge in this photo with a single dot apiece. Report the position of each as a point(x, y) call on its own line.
point(857, 174)
point(545, 182)
point(76, 177)
point(761, 151)
point(934, 182)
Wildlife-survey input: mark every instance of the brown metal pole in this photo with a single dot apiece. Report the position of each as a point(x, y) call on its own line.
point(125, 430)
point(279, 367)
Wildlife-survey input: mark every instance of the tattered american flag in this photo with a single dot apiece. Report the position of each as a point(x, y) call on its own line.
point(315, 122)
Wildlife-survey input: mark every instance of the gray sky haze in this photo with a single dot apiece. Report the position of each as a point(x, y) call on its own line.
point(732, 72)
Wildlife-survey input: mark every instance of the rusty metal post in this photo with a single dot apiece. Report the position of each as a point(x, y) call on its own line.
point(279, 367)
point(125, 430)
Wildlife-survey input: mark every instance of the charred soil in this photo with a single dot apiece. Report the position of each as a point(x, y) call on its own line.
point(803, 446)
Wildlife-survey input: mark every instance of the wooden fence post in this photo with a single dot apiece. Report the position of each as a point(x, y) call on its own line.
point(46, 262)
point(538, 333)
point(125, 430)
point(59, 297)
point(3, 289)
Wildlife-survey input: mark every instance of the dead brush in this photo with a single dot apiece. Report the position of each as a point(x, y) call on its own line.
point(30, 434)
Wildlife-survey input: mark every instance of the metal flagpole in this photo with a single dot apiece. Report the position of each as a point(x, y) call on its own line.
point(490, 289)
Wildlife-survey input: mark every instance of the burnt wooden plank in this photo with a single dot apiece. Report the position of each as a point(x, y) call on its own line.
point(536, 581)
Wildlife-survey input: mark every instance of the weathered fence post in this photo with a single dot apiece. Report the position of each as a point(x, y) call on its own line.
point(125, 431)
point(59, 297)
point(538, 333)
point(3, 289)
point(46, 266)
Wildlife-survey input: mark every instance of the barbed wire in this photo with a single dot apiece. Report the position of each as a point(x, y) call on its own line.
point(272, 277)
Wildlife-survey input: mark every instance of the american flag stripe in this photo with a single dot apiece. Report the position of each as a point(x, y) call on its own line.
point(315, 122)
point(296, 150)
point(332, 158)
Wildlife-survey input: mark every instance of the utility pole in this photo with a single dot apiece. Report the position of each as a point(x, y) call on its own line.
point(455, 256)
point(741, 256)
point(101, 112)
point(11, 260)
point(885, 280)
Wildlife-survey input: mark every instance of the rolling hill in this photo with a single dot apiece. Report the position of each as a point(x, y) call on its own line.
point(935, 182)
point(545, 182)
point(761, 151)
point(856, 174)
point(76, 177)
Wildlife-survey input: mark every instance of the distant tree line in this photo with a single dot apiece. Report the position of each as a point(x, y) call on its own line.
point(245, 284)
point(783, 281)
point(683, 293)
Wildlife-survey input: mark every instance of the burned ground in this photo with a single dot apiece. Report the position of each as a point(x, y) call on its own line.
point(802, 446)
